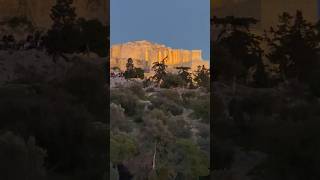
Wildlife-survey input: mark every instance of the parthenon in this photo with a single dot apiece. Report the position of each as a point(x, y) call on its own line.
point(144, 53)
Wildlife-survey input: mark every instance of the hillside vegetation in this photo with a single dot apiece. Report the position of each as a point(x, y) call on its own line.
point(53, 101)
point(266, 100)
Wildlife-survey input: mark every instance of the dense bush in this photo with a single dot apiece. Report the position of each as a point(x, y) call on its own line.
point(21, 159)
point(172, 81)
point(275, 115)
point(162, 133)
point(127, 100)
point(65, 117)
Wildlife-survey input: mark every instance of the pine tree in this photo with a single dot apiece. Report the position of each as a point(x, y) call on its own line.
point(64, 35)
point(242, 46)
point(129, 73)
point(63, 14)
point(160, 71)
point(294, 47)
point(202, 77)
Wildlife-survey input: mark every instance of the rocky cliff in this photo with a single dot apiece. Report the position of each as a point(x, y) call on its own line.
point(144, 53)
point(38, 11)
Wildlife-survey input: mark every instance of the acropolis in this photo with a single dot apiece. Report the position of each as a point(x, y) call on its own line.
point(144, 53)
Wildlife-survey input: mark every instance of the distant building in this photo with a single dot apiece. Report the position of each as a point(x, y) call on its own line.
point(145, 53)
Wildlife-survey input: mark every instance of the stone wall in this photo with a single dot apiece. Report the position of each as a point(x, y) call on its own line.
point(144, 53)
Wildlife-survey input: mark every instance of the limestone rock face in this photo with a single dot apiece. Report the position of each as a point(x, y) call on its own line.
point(38, 11)
point(145, 53)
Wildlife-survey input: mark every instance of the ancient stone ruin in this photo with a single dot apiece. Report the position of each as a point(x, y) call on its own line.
point(144, 53)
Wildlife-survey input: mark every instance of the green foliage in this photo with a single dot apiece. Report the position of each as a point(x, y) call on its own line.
point(139, 73)
point(118, 120)
point(128, 100)
point(180, 127)
point(185, 75)
point(201, 107)
point(171, 94)
point(187, 96)
point(133, 72)
point(202, 77)
point(172, 81)
point(122, 147)
point(166, 104)
point(137, 89)
point(160, 71)
point(155, 127)
point(189, 160)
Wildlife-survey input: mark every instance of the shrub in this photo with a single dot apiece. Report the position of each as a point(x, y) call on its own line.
point(127, 100)
point(172, 81)
point(20, 159)
point(122, 147)
point(167, 105)
point(118, 120)
point(201, 108)
point(134, 73)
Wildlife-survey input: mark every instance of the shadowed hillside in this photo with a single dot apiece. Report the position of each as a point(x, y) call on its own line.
point(53, 98)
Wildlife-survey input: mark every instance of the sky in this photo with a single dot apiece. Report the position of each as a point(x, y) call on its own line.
point(181, 24)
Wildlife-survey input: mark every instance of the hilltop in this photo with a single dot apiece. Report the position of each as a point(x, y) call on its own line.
point(144, 53)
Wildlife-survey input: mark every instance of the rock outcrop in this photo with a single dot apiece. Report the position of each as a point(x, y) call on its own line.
point(38, 11)
point(145, 53)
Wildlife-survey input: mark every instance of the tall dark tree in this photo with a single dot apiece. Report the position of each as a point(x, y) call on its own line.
point(129, 73)
point(130, 65)
point(234, 37)
point(133, 72)
point(160, 71)
point(294, 47)
point(202, 77)
point(63, 14)
point(64, 35)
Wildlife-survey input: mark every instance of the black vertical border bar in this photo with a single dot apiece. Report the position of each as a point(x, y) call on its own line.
point(211, 94)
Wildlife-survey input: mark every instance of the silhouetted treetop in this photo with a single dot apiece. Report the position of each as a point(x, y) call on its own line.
point(235, 22)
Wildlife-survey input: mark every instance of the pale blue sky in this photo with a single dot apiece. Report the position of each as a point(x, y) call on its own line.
point(181, 24)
